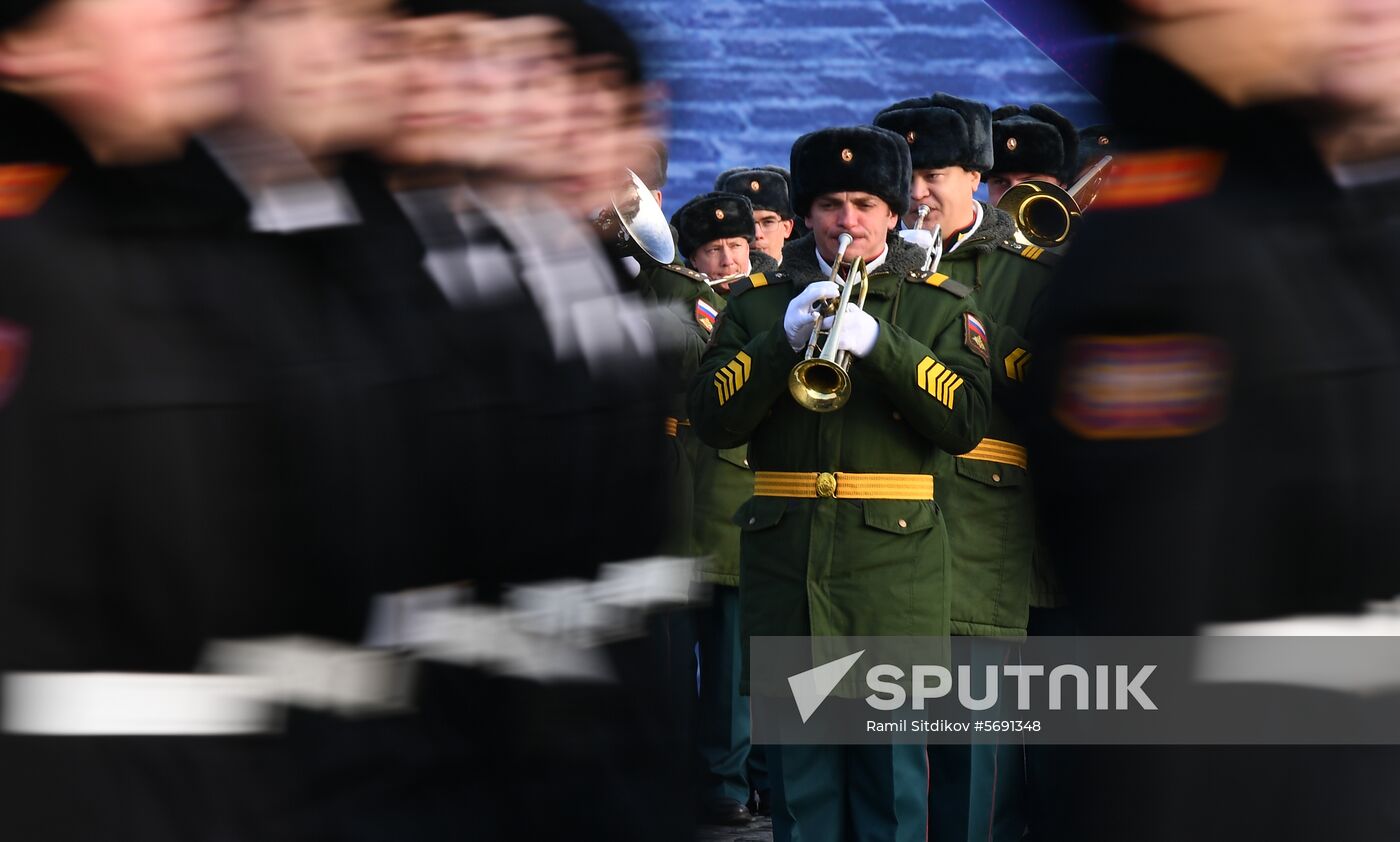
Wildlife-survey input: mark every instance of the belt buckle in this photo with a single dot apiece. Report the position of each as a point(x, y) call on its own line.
point(826, 485)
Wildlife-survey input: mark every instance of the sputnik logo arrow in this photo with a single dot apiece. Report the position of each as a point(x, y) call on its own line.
point(810, 688)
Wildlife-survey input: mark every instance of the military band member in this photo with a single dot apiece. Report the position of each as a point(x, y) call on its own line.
point(716, 231)
point(1031, 144)
point(767, 189)
point(984, 494)
point(1095, 143)
point(843, 511)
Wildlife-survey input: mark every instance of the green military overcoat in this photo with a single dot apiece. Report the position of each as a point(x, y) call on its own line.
point(833, 565)
point(986, 494)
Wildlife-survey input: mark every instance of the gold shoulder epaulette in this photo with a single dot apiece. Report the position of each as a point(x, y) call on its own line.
point(1030, 252)
point(684, 271)
point(754, 281)
point(940, 280)
point(25, 187)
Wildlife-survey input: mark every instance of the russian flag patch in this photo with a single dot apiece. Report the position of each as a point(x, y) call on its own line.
point(705, 314)
point(975, 337)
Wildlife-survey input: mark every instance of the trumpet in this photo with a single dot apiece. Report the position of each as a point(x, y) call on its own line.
point(1046, 214)
point(821, 382)
point(635, 217)
point(924, 211)
point(932, 245)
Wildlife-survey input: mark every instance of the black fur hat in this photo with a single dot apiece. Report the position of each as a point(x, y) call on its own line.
point(1035, 140)
point(766, 189)
point(1095, 142)
point(713, 216)
point(942, 131)
point(864, 158)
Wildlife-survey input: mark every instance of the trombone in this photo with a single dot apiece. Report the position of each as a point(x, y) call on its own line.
point(821, 382)
point(1046, 214)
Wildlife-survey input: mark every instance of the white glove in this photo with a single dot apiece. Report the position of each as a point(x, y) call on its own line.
point(798, 321)
point(859, 330)
point(921, 237)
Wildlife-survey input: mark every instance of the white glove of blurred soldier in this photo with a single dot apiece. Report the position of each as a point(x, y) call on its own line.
point(798, 321)
point(859, 330)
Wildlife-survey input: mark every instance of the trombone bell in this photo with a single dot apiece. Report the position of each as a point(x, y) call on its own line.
point(1047, 214)
point(1043, 212)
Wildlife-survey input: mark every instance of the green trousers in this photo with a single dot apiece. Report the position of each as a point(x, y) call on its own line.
point(849, 793)
point(730, 765)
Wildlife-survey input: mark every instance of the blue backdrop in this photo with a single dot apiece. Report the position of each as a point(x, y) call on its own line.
point(746, 77)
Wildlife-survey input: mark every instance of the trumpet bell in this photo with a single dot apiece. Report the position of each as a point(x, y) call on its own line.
point(1044, 213)
point(819, 385)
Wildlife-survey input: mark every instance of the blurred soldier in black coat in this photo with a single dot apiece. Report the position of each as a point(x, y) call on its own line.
point(1218, 363)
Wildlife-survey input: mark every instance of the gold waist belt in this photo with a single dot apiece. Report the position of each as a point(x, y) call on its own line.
point(843, 485)
point(992, 450)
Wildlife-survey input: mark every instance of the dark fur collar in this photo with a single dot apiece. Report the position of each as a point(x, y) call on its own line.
point(762, 262)
point(997, 227)
point(800, 259)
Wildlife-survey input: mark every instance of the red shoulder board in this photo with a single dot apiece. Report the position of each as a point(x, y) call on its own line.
point(1157, 178)
point(25, 187)
point(14, 345)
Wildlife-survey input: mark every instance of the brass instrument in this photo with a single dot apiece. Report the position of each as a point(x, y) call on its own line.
point(727, 279)
point(1046, 214)
point(820, 382)
point(635, 217)
point(933, 250)
point(924, 211)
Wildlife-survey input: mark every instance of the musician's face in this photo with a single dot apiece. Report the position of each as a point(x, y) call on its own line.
point(722, 258)
point(998, 184)
point(948, 193)
point(771, 231)
point(862, 215)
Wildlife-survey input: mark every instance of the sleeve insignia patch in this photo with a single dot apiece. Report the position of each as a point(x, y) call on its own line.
point(939, 381)
point(1143, 387)
point(1017, 362)
point(975, 337)
point(730, 379)
point(706, 314)
point(14, 346)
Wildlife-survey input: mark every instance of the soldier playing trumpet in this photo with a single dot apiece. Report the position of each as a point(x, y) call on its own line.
point(843, 501)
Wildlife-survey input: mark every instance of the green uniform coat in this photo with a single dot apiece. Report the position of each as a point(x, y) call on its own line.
point(988, 503)
point(709, 484)
point(832, 566)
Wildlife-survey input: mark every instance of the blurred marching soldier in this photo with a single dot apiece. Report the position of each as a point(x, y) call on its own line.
point(165, 373)
point(1037, 144)
point(843, 502)
point(767, 188)
point(716, 233)
point(559, 378)
point(984, 494)
point(1164, 379)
